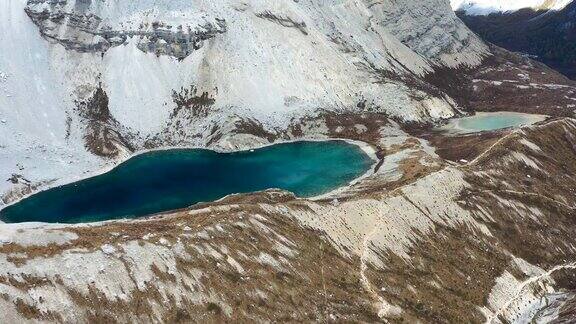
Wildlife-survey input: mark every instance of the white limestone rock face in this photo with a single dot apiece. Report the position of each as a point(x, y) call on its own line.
point(75, 74)
point(441, 38)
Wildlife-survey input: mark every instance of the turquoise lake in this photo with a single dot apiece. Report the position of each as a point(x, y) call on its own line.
point(166, 180)
point(489, 121)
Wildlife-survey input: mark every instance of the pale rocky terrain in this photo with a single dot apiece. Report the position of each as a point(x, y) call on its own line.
point(84, 82)
point(447, 229)
point(487, 240)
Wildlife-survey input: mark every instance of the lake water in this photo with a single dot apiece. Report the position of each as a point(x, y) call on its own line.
point(489, 121)
point(167, 180)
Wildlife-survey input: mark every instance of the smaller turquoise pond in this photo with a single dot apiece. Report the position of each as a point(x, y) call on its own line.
point(483, 121)
point(172, 179)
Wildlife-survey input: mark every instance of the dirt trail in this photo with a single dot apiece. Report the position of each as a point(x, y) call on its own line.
point(526, 283)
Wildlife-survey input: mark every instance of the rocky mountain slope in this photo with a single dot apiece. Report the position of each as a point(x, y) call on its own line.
point(547, 33)
point(475, 228)
point(489, 240)
point(84, 84)
point(88, 79)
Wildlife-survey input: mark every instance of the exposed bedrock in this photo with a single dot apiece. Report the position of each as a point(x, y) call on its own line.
point(284, 21)
point(346, 54)
point(102, 134)
point(75, 26)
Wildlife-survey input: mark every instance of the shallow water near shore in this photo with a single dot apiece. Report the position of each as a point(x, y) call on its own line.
point(167, 180)
point(489, 121)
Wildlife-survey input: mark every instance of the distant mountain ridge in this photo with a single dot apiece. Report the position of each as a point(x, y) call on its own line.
point(547, 35)
point(486, 7)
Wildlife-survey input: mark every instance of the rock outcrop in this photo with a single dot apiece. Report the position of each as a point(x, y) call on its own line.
point(75, 26)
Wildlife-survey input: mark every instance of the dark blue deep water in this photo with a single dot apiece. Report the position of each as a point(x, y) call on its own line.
point(167, 180)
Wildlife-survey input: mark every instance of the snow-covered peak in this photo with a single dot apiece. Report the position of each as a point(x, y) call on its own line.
point(485, 7)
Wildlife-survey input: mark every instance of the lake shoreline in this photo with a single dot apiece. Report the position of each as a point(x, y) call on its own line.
point(366, 149)
point(455, 126)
